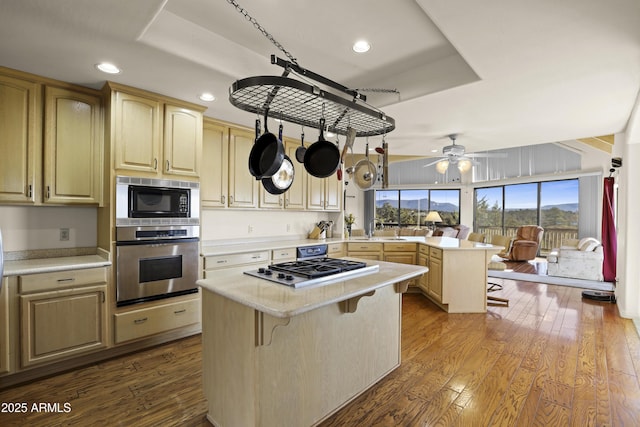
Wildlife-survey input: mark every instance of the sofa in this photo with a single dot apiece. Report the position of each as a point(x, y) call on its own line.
point(577, 259)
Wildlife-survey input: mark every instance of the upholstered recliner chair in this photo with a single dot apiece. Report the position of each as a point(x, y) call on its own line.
point(525, 245)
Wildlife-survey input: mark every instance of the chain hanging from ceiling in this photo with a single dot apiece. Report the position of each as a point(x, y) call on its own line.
point(302, 103)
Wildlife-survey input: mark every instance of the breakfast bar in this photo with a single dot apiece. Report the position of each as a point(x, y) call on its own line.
point(277, 355)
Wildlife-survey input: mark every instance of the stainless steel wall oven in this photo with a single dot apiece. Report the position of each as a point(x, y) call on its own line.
point(157, 239)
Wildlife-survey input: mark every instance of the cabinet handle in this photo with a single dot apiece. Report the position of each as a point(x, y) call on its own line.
point(222, 200)
point(103, 296)
point(184, 310)
point(48, 192)
point(230, 200)
point(139, 321)
point(222, 261)
point(155, 164)
point(279, 201)
point(30, 191)
point(66, 280)
point(167, 165)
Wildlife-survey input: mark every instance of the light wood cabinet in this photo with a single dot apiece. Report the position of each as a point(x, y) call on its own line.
point(434, 287)
point(324, 194)
point(365, 250)
point(214, 179)
point(144, 322)
point(73, 146)
point(62, 314)
point(234, 262)
point(283, 254)
point(4, 327)
point(243, 187)
point(154, 136)
point(423, 260)
point(20, 139)
point(335, 250)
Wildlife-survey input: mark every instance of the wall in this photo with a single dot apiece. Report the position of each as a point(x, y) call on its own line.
point(38, 227)
point(238, 225)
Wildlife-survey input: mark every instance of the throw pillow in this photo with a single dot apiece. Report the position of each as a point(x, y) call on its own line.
point(588, 244)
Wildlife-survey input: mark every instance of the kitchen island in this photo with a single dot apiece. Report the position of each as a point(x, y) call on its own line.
point(275, 355)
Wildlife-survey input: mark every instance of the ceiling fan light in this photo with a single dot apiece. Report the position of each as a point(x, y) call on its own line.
point(464, 165)
point(442, 166)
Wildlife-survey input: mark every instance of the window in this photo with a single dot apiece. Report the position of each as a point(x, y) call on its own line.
point(408, 208)
point(551, 204)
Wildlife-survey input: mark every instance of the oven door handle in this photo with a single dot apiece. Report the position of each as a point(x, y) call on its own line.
point(157, 242)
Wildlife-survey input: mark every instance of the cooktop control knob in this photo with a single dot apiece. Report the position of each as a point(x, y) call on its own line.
point(268, 272)
point(261, 270)
point(280, 275)
point(289, 277)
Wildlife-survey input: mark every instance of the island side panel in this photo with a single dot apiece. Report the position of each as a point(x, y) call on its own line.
point(264, 371)
point(228, 359)
point(324, 358)
point(464, 286)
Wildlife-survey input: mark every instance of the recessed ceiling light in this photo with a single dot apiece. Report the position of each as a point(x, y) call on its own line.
point(206, 96)
point(361, 46)
point(108, 68)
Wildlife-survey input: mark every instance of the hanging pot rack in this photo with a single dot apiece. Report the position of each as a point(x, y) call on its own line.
point(298, 102)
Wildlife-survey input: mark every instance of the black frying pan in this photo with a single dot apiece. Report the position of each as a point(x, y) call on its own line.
point(266, 154)
point(322, 158)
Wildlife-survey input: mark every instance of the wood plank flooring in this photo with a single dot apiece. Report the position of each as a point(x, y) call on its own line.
point(548, 359)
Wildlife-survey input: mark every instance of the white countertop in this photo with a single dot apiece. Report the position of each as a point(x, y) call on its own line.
point(212, 248)
point(284, 301)
point(48, 265)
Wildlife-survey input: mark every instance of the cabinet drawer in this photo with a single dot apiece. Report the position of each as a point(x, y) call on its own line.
point(283, 254)
point(435, 253)
point(223, 261)
point(61, 279)
point(400, 247)
point(335, 248)
point(364, 247)
point(149, 321)
point(424, 249)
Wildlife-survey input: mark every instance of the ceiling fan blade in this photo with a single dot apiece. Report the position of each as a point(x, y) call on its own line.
point(434, 162)
point(494, 155)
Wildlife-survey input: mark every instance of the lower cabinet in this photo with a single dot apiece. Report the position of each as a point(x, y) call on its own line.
point(62, 315)
point(434, 287)
point(365, 250)
point(4, 327)
point(403, 253)
point(143, 322)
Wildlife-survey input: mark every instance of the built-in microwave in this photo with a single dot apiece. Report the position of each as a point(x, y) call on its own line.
point(149, 201)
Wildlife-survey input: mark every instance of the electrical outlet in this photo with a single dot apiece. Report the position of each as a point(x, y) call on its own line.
point(64, 234)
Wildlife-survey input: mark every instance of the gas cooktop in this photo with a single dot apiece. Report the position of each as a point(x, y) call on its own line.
point(308, 272)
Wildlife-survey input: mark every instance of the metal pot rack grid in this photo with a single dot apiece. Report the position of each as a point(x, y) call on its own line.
point(291, 100)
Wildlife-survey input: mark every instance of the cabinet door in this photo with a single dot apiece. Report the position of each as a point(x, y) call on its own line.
point(72, 147)
point(294, 198)
point(401, 258)
point(20, 137)
point(243, 187)
point(60, 324)
point(315, 193)
point(435, 278)
point(333, 193)
point(182, 141)
point(4, 327)
point(137, 133)
point(423, 281)
point(215, 165)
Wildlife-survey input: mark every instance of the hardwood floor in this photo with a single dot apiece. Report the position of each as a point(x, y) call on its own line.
point(549, 358)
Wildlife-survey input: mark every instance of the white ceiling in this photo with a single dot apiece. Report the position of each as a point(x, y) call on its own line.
point(500, 73)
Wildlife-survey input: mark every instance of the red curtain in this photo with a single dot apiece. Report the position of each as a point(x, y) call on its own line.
point(609, 239)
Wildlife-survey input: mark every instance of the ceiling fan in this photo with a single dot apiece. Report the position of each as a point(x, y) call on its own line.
point(455, 154)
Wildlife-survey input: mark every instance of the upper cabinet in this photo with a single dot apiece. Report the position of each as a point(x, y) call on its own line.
point(20, 139)
point(294, 197)
point(73, 147)
point(324, 193)
point(154, 136)
point(63, 164)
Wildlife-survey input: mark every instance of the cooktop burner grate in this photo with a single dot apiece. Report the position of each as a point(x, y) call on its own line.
point(318, 267)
